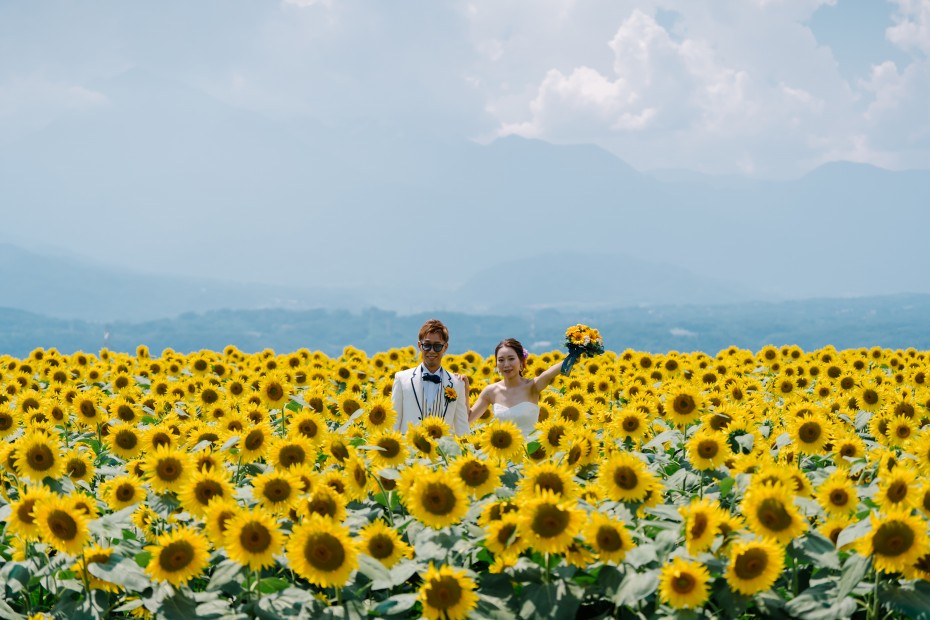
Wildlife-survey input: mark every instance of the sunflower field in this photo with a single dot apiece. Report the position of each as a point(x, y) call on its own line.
point(779, 483)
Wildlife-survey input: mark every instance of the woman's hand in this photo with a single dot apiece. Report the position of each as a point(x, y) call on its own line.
point(464, 379)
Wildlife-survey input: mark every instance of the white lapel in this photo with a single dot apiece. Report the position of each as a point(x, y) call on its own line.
point(417, 381)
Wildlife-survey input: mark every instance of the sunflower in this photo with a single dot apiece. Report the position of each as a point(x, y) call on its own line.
point(624, 478)
point(847, 446)
point(447, 594)
point(501, 440)
point(253, 539)
point(284, 453)
point(38, 456)
point(94, 555)
point(178, 556)
point(356, 477)
point(309, 425)
point(420, 440)
point(479, 476)
point(552, 433)
point(203, 487)
point(632, 422)
point(275, 390)
point(62, 525)
point(276, 490)
point(682, 405)
point(124, 441)
point(383, 543)
point(609, 538)
point(79, 465)
point(435, 499)
point(810, 433)
point(549, 523)
point(702, 521)
point(159, 436)
point(324, 501)
point(897, 489)
point(754, 565)
point(684, 584)
point(503, 537)
point(837, 494)
point(547, 476)
point(167, 469)
point(122, 491)
point(392, 452)
point(379, 414)
point(435, 427)
point(87, 410)
point(901, 429)
point(21, 520)
point(897, 540)
point(254, 441)
point(771, 513)
point(217, 517)
point(708, 449)
point(322, 552)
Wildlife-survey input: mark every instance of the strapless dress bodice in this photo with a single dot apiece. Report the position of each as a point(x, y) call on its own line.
point(524, 415)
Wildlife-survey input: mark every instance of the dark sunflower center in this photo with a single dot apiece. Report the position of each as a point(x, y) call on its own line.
point(161, 439)
point(501, 440)
point(125, 492)
point(870, 396)
point(903, 431)
point(292, 455)
point(308, 428)
point(40, 457)
point(550, 521)
point(708, 448)
point(24, 512)
point(438, 498)
point(750, 564)
point(630, 424)
point(6, 421)
point(554, 436)
point(176, 556)
point(322, 505)
point(698, 525)
point(277, 490)
point(126, 439)
point(892, 539)
point(168, 469)
point(254, 537)
point(810, 432)
point(380, 546)
point(390, 447)
point(77, 468)
point(608, 538)
point(684, 583)
point(377, 416)
point(773, 515)
point(62, 525)
point(550, 481)
point(684, 404)
point(274, 392)
point(339, 451)
point(897, 491)
point(505, 532)
point(209, 396)
point(422, 444)
point(254, 440)
point(324, 552)
point(625, 478)
point(87, 409)
point(205, 490)
point(444, 592)
point(475, 473)
point(839, 498)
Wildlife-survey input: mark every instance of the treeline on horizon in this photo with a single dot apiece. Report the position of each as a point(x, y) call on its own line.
point(896, 322)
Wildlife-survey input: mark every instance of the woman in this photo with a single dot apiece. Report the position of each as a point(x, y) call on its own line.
point(514, 397)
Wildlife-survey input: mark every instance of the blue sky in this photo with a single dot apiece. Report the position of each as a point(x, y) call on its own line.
point(770, 88)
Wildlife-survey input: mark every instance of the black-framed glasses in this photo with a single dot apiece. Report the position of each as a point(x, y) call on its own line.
point(435, 346)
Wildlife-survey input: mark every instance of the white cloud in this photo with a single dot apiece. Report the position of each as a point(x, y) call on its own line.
point(912, 25)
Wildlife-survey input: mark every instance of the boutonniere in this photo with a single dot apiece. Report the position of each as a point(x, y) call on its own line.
point(450, 393)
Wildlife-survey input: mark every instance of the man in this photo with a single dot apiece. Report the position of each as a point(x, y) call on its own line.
point(428, 390)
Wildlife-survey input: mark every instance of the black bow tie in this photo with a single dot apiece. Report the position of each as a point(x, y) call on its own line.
point(431, 378)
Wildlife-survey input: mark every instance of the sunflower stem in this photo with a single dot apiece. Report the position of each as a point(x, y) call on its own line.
point(283, 430)
point(873, 613)
point(387, 500)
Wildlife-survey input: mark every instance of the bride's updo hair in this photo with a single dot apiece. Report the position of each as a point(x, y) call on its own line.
point(513, 343)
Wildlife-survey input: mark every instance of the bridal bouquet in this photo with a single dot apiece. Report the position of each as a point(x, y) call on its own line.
point(581, 340)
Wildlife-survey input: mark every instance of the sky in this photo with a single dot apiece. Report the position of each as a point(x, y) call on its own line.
point(227, 138)
point(768, 88)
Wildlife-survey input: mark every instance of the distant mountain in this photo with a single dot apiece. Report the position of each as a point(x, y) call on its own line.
point(162, 178)
point(573, 281)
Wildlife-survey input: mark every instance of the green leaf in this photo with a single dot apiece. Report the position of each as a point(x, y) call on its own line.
point(143, 558)
point(226, 572)
point(662, 438)
point(819, 603)
point(374, 570)
point(854, 570)
point(397, 604)
point(123, 572)
point(853, 532)
point(818, 550)
point(912, 600)
point(532, 447)
point(636, 587)
point(270, 585)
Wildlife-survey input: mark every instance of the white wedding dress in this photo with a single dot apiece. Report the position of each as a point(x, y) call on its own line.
point(524, 415)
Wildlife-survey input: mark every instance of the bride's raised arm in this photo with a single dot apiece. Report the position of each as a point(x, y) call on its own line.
point(481, 403)
point(546, 377)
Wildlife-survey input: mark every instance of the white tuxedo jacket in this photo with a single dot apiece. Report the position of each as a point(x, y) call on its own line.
point(407, 397)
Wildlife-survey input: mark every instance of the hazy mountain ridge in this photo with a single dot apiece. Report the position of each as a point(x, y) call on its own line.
point(214, 191)
point(896, 322)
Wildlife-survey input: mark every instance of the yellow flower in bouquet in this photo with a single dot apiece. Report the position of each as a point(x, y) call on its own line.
point(585, 338)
